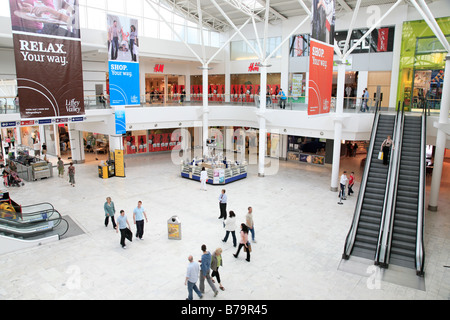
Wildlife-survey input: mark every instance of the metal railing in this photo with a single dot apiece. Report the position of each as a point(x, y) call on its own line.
point(296, 103)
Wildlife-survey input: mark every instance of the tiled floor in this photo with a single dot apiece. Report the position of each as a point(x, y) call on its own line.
point(300, 232)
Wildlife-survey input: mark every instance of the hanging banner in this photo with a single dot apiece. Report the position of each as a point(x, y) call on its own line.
point(47, 50)
point(323, 20)
point(123, 54)
point(120, 120)
point(320, 77)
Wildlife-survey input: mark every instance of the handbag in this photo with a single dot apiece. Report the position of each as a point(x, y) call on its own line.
point(380, 155)
point(129, 234)
point(249, 247)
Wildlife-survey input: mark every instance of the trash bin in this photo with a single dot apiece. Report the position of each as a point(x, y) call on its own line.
point(174, 228)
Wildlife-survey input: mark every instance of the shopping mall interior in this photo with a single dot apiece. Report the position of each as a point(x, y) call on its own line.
point(192, 74)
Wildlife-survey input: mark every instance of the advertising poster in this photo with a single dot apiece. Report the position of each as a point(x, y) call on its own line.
point(323, 20)
point(123, 54)
point(119, 163)
point(142, 144)
point(47, 50)
point(320, 77)
point(129, 144)
point(120, 121)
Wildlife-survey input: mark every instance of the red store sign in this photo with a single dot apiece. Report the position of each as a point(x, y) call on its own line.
point(253, 67)
point(158, 68)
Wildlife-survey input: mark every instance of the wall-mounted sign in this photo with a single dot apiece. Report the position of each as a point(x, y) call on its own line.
point(9, 124)
point(253, 67)
point(158, 68)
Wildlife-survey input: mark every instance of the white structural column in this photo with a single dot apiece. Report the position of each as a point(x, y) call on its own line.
point(338, 127)
point(205, 134)
point(440, 139)
point(262, 122)
point(76, 144)
point(115, 142)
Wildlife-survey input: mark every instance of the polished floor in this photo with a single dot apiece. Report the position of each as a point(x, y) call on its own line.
point(300, 233)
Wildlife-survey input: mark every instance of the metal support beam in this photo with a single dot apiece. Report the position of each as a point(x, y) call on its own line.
point(350, 30)
point(173, 30)
point(235, 28)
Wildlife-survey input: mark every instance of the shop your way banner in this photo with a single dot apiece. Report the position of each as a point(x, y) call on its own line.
point(47, 50)
point(123, 57)
point(321, 57)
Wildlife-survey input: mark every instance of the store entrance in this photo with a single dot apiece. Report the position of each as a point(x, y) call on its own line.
point(426, 89)
point(163, 89)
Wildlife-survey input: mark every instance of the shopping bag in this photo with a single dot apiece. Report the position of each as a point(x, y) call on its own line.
point(129, 235)
point(380, 155)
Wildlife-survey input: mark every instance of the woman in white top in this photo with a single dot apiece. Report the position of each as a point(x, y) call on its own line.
point(230, 226)
point(386, 149)
point(203, 179)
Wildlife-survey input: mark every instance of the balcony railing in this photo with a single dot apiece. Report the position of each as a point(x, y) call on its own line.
point(297, 103)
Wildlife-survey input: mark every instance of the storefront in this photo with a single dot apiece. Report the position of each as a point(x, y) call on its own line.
point(149, 141)
point(246, 87)
point(216, 88)
point(422, 64)
point(307, 150)
point(160, 88)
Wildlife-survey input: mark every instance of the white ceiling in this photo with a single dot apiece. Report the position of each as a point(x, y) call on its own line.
point(239, 11)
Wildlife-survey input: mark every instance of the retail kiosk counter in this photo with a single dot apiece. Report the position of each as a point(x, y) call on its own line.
point(217, 175)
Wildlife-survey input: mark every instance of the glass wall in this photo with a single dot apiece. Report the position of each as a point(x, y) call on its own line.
point(422, 64)
point(240, 50)
point(93, 16)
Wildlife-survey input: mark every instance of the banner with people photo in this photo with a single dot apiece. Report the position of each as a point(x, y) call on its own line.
point(321, 57)
point(47, 50)
point(123, 56)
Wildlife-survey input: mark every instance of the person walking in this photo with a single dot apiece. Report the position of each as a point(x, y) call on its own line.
point(386, 149)
point(366, 100)
point(125, 232)
point(223, 205)
point(138, 217)
point(351, 182)
point(71, 172)
point(216, 262)
point(230, 227)
point(203, 179)
point(204, 271)
point(60, 166)
point(109, 212)
point(249, 223)
point(244, 242)
point(192, 274)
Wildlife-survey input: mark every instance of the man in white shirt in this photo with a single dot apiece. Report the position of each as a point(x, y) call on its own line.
point(343, 182)
point(192, 274)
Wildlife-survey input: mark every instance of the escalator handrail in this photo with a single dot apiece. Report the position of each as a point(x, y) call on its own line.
point(390, 202)
point(350, 239)
point(420, 252)
point(67, 228)
point(36, 205)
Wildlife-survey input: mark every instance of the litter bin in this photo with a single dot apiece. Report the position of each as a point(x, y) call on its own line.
point(174, 228)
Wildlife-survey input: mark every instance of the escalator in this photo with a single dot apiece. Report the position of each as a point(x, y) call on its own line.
point(405, 243)
point(32, 222)
point(363, 238)
point(387, 226)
